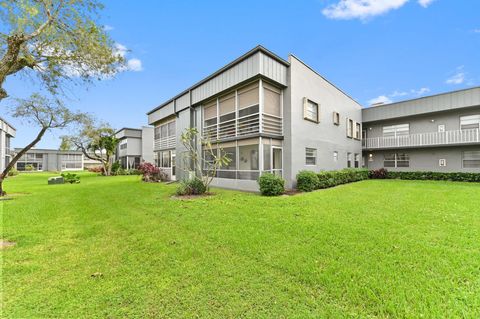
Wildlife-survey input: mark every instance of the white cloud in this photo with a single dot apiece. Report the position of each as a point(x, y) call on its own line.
point(398, 93)
point(380, 99)
point(425, 3)
point(365, 9)
point(361, 9)
point(476, 30)
point(134, 65)
point(458, 77)
point(420, 91)
point(108, 27)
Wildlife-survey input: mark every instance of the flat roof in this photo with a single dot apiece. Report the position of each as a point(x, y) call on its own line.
point(51, 150)
point(6, 122)
point(421, 98)
point(128, 128)
point(446, 101)
point(258, 48)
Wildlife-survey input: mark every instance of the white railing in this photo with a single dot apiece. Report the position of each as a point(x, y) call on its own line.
point(165, 142)
point(423, 139)
point(245, 125)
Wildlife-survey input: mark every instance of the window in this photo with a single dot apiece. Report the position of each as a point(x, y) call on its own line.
point(470, 122)
point(357, 160)
point(358, 130)
point(123, 146)
point(310, 156)
point(396, 160)
point(164, 130)
point(349, 159)
point(441, 128)
point(310, 110)
point(396, 130)
point(349, 127)
point(471, 159)
point(442, 162)
point(336, 118)
point(335, 156)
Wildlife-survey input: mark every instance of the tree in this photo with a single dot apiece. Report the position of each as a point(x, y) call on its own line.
point(97, 142)
point(44, 113)
point(56, 40)
point(65, 145)
point(204, 162)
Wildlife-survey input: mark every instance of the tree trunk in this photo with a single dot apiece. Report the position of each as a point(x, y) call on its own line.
point(12, 163)
point(14, 44)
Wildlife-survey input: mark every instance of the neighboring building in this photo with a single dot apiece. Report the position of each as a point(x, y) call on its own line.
point(268, 114)
point(6, 133)
point(90, 163)
point(135, 146)
point(50, 160)
point(434, 133)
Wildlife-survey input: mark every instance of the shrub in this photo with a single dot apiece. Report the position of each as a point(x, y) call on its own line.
point(29, 168)
point(194, 186)
point(71, 178)
point(95, 169)
point(271, 185)
point(151, 173)
point(13, 172)
point(307, 181)
point(437, 176)
point(381, 173)
point(334, 178)
point(115, 168)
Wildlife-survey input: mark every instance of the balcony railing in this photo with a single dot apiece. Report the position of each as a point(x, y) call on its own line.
point(245, 125)
point(165, 142)
point(423, 139)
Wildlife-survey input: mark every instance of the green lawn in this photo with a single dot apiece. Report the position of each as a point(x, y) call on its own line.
point(371, 249)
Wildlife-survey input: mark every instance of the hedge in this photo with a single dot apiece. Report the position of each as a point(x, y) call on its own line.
point(307, 182)
point(271, 185)
point(432, 176)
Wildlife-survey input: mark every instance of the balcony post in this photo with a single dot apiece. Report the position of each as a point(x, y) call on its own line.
point(260, 106)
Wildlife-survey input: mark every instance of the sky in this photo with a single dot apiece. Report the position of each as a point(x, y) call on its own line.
point(374, 50)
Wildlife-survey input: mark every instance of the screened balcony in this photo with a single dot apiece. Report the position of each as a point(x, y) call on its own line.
point(252, 109)
point(458, 137)
point(165, 136)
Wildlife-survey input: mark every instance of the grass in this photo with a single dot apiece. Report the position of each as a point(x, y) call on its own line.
point(373, 249)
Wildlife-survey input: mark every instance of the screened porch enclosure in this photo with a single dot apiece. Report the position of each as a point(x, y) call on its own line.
point(252, 109)
point(248, 158)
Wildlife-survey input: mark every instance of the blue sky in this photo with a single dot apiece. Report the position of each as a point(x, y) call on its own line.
point(375, 50)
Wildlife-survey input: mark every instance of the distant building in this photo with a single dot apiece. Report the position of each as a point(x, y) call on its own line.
point(7, 132)
point(135, 146)
point(50, 160)
point(433, 133)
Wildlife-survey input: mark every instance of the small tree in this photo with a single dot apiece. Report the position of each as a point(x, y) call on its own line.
point(97, 142)
point(204, 161)
point(44, 113)
point(65, 144)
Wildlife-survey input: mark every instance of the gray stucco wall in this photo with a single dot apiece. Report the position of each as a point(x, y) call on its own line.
point(147, 144)
point(324, 136)
point(426, 159)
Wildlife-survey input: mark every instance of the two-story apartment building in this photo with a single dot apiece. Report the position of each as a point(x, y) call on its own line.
point(268, 114)
point(37, 159)
point(134, 146)
point(433, 133)
point(7, 132)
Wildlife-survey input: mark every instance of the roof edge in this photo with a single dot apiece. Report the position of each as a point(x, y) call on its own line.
point(422, 97)
point(258, 48)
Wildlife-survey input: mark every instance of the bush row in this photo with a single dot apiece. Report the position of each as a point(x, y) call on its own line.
point(434, 176)
point(308, 181)
point(271, 185)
